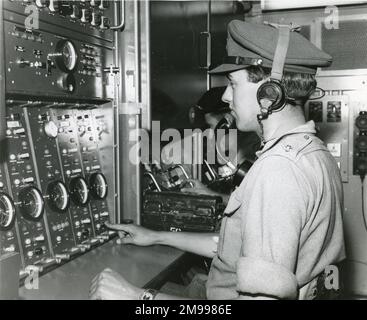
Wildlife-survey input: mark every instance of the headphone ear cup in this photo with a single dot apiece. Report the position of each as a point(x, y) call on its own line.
point(272, 91)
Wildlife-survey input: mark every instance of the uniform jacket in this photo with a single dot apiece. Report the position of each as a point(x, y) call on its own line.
point(283, 224)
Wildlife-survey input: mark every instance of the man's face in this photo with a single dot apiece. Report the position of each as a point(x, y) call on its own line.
point(241, 96)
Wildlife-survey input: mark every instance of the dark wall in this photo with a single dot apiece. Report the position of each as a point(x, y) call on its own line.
point(178, 50)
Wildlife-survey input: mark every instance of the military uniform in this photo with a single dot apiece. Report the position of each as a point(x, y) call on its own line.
point(283, 225)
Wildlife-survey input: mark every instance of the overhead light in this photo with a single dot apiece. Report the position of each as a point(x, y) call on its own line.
point(293, 4)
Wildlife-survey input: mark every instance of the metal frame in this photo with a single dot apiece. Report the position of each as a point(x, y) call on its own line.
point(2, 77)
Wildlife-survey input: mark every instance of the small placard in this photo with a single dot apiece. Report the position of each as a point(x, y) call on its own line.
point(335, 149)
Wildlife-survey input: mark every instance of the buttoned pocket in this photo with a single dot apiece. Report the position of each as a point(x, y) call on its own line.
point(229, 246)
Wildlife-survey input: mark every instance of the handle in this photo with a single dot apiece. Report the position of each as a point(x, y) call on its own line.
point(150, 175)
point(122, 13)
point(208, 50)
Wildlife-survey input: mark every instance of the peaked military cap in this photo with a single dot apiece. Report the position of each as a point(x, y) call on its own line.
point(251, 44)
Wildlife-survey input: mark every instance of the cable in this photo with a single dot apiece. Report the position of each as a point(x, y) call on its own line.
point(363, 203)
point(318, 97)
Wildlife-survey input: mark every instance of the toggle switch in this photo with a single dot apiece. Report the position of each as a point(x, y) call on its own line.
point(104, 23)
point(96, 19)
point(75, 250)
point(42, 3)
point(53, 6)
point(63, 256)
point(104, 237)
point(23, 63)
point(85, 16)
point(85, 246)
point(9, 249)
point(28, 180)
point(24, 156)
point(94, 241)
point(19, 131)
point(33, 268)
point(86, 221)
point(40, 238)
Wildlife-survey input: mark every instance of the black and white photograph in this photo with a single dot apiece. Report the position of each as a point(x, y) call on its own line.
point(208, 150)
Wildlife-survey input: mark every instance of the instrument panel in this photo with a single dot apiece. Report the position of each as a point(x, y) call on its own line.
point(55, 173)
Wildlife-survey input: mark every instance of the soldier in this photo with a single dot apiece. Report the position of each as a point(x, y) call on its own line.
point(283, 224)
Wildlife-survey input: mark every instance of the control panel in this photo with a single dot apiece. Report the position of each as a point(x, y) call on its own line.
point(8, 236)
point(360, 145)
point(89, 133)
point(43, 132)
point(28, 198)
point(56, 181)
point(92, 17)
point(331, 116)
point(45, 63)
point(72, 169)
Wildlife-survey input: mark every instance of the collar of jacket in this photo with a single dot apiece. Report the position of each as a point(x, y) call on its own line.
point(308, 127)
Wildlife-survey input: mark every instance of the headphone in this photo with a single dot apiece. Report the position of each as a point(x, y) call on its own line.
point(273, 89)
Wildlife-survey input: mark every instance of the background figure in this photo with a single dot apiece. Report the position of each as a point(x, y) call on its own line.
point(211, 112)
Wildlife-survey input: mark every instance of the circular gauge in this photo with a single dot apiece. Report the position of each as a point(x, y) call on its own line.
point(98, 185)
point(67, 57)
point(67, 82)
point(58, 197)
point(50, 129)
point(79, 191)
point(7, 212)
point(31, 203)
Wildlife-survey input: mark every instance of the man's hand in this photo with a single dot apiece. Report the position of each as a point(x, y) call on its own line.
point(133, 234)
point(109, 285)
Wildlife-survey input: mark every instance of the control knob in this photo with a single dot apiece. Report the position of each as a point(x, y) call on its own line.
point(86, 16)
point(31, 203)
point(96, 19)
point(53, 6)
point(95, 3)
point(40, 238)
point(7, 212)
point(42, 3)
point(105, 23)
point(67, 83)
point(104, 4)
point(76, 14)
point(50, 129)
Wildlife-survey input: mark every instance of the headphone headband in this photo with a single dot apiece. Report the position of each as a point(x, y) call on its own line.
point(273, 89)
